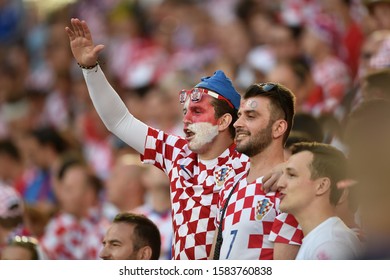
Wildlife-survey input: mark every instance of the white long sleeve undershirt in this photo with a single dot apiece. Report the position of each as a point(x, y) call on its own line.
point(113, 112)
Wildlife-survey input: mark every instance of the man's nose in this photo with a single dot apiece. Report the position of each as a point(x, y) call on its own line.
point(104, 254)
point(187, 118)
point(281, 183)
point(237, 123)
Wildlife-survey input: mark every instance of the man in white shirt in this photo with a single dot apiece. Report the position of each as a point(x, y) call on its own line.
point(309, 191)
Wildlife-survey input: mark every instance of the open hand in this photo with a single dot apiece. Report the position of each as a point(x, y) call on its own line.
point(81, 43)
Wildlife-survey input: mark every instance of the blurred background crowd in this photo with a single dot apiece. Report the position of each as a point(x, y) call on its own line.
point(73, 176)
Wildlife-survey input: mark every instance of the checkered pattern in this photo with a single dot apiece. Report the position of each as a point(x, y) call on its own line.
point(67, 238)
point(164, 223)
point(250, 217)
point(194, 193)
point(286, 230)
point(11, 204)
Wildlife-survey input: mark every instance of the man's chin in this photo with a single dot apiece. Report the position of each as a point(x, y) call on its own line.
point(240, 147)
point(282, 207)
point(195, 147)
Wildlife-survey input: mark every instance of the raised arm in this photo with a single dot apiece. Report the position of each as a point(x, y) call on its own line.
point(107, 102)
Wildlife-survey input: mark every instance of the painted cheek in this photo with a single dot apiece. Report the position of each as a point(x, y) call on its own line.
point(208, 117)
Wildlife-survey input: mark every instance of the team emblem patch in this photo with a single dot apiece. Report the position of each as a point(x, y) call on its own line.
point(262, 208)
point(221, 175)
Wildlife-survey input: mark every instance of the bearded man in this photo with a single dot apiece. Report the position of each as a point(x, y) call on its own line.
point(251, 226)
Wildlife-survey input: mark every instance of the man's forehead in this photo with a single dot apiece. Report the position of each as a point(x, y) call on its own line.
point(254, 103)
point(121, 228)
point(118, 234)
point(251, 104)
point(300, 159)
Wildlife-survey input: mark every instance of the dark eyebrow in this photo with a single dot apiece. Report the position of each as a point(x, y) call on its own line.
point(247, 111)
point(251, 111)
point(111, 241)
point(196, 108)
point(290, 169)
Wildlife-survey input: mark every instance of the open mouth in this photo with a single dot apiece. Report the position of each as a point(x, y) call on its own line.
point(189, 134)
point(240, 136)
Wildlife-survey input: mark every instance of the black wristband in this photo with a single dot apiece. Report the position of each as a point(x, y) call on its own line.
point(88, 67)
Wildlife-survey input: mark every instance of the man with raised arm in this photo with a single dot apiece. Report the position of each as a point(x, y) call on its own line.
point(210, 109)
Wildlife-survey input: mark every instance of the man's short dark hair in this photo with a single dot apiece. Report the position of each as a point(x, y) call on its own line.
point(282, 102)
point(146, 232)
point(221, 107)
point(328, 162)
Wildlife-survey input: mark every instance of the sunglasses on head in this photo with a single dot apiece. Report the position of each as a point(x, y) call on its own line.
point(267, 86)
point(197, 93)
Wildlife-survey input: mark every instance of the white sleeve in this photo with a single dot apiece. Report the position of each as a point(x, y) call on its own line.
point(113, 112)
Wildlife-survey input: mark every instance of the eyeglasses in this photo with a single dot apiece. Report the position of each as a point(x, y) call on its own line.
point(197, 93)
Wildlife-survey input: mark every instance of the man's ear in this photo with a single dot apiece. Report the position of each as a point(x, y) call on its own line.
point(145, 253)
point(224, 122)
point(323, 185)
point(279, 128)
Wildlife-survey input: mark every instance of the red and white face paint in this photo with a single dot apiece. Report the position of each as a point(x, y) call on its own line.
point(200, 124)
point(204, 133)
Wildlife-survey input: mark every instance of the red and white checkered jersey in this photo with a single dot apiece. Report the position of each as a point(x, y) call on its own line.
point(250, 218)
point(163, 220)
point(194, 192)
point(67, 238)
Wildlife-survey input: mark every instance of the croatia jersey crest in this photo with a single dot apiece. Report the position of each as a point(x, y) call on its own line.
point(262, 208)
point(221, 175)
